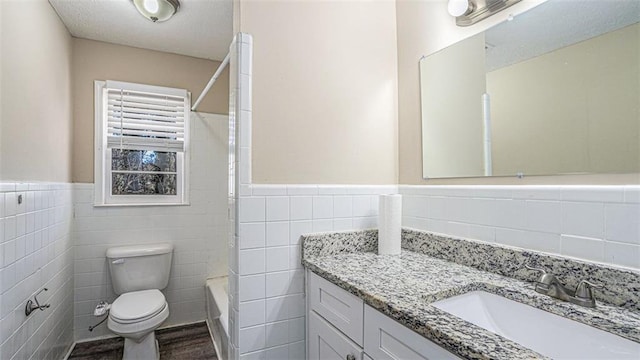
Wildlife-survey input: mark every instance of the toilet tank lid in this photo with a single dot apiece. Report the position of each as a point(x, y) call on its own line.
point(139, 250)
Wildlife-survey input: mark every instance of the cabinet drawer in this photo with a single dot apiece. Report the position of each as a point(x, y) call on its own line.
point(341, 309)
point(385, 338)
point(328, 343)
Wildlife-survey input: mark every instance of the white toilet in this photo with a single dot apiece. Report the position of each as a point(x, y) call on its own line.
point(138, 273)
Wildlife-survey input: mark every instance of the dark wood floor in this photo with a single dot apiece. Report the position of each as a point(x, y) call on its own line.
point(182, 342)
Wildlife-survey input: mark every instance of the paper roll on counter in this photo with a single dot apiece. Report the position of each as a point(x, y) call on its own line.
point(389, 224)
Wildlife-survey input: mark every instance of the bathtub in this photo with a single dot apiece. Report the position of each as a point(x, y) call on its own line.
point(217, 290)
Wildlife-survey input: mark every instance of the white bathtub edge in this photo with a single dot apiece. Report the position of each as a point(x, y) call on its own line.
point(217, 313)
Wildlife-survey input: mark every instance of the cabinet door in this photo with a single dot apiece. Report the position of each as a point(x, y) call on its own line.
point(387, 339)
point(336, 305)
point(328, 343)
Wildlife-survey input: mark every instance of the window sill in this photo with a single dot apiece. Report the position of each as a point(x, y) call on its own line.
point(141, 204)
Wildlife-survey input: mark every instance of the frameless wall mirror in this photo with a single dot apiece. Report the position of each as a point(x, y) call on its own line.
point(554, 91)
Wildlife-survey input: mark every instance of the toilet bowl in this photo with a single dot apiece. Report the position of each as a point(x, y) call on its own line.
point(138, 273)
point(135, 316)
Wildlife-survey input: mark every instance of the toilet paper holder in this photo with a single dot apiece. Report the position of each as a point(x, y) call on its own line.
point(102, 309)
point(31, 307)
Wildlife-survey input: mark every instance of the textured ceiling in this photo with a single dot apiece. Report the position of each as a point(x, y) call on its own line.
point(200, 28)
point(553, 25)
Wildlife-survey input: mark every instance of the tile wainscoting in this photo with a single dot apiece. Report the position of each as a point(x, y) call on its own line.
point(269, 281)
point(197, 232)
point(595, 223)
point(36, 252)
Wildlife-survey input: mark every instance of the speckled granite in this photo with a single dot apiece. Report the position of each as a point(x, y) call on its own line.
point(621, 287)
point(324, 244)
point(403, 287)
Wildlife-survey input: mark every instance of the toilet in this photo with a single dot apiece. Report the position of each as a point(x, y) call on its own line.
point(138, 273)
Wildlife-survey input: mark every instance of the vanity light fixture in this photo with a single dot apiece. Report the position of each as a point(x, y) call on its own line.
point(157, 10)
point(469, 12)
point(459, 7)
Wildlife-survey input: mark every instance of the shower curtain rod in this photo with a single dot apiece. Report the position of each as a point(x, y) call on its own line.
point(211, 82)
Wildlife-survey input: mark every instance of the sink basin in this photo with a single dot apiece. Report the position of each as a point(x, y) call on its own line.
point(548, 334)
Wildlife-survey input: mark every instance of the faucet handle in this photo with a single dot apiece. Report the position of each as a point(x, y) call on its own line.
point(535, 269)
point(545, 280)
point(583, 291)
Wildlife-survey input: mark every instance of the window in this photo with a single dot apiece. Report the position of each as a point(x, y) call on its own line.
point(142, 143)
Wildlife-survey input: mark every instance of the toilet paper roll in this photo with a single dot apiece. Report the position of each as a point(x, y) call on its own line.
point(389, 224)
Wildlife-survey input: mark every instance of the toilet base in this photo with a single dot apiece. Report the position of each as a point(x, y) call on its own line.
point(147, 349)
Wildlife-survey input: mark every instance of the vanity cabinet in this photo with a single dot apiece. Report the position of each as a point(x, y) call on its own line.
point(341, 326)
point(327, 342)
point(340, 308)
point(387, 339)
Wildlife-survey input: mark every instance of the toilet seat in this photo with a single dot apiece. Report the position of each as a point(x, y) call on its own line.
point(137, 306)
point(138, 330)
point(135, 315)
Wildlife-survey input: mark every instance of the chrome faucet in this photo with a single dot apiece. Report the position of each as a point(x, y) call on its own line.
point(549, 285)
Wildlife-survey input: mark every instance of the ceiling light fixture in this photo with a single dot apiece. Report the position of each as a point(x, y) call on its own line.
point(157, 10)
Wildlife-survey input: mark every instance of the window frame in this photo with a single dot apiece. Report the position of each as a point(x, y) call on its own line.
point(102, 156)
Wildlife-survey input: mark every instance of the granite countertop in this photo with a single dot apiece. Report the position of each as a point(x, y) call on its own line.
point(403, 287)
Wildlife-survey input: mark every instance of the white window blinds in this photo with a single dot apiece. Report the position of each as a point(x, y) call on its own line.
point(145, 117)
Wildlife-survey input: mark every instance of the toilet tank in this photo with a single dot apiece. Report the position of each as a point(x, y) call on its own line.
point(139, 267)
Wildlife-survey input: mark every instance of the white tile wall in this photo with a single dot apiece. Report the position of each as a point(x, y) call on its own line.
point(248, 238)
point(597, 223)
point(198, 233)
point(35, 252)
point(270, 304)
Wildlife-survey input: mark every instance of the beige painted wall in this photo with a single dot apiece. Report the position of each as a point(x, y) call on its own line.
point(450, 124)
point(324, 91)
point(423, 28)
point(580, 112)
point(36, 113)
point(94, 60)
